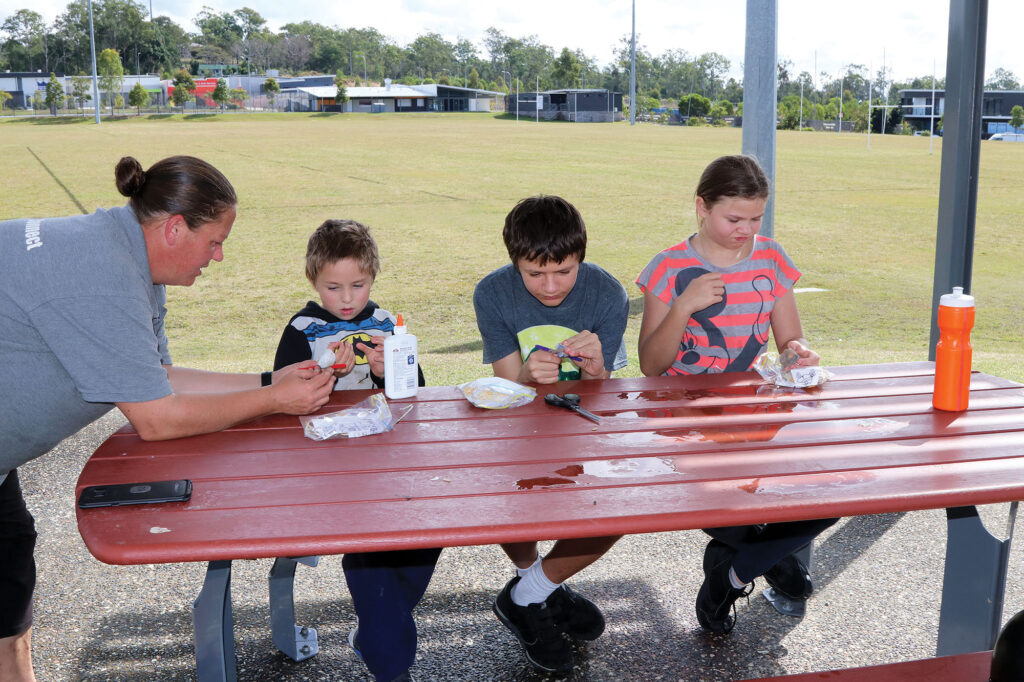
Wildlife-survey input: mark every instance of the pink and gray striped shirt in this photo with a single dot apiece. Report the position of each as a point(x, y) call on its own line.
point(726, 336)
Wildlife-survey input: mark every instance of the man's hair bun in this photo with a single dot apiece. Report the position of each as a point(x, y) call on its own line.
point(130, 176)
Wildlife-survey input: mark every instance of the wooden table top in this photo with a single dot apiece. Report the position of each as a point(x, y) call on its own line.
point(671, 453)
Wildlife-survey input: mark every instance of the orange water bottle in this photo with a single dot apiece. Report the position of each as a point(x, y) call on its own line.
point(953, 352)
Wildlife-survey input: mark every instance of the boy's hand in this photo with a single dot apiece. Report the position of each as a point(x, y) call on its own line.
point(541, 367)
point(344, 354)
point(808, 358)
point(302, 388)
point(587, 345)
point(374, 355)
point(701, 292)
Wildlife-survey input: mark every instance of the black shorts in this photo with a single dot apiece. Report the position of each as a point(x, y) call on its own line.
point(18, 568)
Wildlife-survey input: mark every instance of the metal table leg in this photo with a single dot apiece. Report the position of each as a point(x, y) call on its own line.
point(298, 642)
point(973, 584)
point(213, 626)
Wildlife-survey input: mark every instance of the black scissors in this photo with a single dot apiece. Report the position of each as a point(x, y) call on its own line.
point(572, 402)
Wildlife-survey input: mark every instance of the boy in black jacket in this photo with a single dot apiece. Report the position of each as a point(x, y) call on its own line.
point(341, 264)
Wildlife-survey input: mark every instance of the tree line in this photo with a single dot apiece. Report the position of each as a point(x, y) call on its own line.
point(241, 41)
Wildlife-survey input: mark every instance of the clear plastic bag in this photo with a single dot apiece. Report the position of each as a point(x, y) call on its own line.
point(365, 418)
point(781, 372)
point(495, 393)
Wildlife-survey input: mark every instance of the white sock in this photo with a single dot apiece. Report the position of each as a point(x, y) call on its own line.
point(734, 579)
point(521, 572)
point(534, 587)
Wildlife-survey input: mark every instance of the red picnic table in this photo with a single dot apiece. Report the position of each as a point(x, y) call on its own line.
point(670, 453)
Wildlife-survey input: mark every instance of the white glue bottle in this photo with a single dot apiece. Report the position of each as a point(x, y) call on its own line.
point(401, 363)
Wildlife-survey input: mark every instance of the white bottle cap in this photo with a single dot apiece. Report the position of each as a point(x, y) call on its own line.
point(957, 299)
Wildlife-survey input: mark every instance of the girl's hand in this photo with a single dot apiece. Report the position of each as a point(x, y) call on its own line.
point(701, 292)
point(344, 354)
point(808, 358)
point(586, 345)
point(374, 355)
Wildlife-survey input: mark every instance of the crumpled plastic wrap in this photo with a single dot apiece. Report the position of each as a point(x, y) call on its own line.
point(365, 418)
point(495, 393)
point(780, 370)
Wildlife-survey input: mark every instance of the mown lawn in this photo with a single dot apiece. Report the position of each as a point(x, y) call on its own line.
point(435, 189)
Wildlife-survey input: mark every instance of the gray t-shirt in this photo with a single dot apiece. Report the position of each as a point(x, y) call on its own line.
point(511, 319)
point(81, 327)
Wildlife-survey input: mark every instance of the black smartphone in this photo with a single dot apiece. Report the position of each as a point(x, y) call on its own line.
point(135, 493)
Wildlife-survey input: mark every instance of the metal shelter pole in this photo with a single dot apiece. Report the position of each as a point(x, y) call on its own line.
point(759, 93)
point(95, 78)
point(632, 72)
point(958, 184)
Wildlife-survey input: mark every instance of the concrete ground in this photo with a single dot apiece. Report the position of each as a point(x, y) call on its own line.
point(878, 584)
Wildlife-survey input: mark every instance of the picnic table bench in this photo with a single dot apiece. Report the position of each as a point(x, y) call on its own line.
point(671, 453)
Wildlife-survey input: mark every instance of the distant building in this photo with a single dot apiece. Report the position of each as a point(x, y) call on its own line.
point(390, 97)
point(22, 85)
point(995, 109)
point(567, 105)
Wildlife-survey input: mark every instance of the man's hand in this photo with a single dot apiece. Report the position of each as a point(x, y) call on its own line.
point(587, 345)
point(302, 389)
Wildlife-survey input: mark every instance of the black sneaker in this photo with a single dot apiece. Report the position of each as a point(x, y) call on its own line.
point(534, 626)
point(790, 577)
point(578, 616)
point(717, 597)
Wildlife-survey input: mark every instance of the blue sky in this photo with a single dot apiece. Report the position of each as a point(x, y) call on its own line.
point(909, 37)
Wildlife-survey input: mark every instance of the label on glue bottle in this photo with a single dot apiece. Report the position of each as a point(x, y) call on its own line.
point(953, 351)
point(401, 363)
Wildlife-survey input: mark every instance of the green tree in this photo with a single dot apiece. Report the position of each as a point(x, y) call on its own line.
point(718, 113)
point(220, 93)
point(54, 94)
point(565, 72)
point(38, 100)
point(138, 98)
point(474, 79)
point(184, 89)
point(26, 30)
point(694, 105)
point(238, 97)
point(1002, 79)
point(111, 74)
point(119, 102)
point(342, 97)
point(80, 87)
point(4, 97)
point(1017, 116)
point(272, 88)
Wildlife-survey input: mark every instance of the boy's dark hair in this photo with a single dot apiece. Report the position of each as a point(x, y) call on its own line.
point(337, 239)
point(738, 175)
point(544, 228)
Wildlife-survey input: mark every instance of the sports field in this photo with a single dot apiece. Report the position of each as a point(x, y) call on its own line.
point(859, 223)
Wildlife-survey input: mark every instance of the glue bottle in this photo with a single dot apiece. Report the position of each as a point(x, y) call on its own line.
point(401, 364)
point(953, 352)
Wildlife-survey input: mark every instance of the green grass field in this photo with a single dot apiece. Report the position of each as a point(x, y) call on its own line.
point(435, 189)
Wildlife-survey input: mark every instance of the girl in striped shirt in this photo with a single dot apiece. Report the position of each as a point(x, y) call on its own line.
point(709, 305)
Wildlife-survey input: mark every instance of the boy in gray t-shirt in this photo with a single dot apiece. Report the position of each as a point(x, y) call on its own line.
point(548, 296)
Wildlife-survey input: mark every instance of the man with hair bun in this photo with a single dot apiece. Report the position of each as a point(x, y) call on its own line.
point(82, 305)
